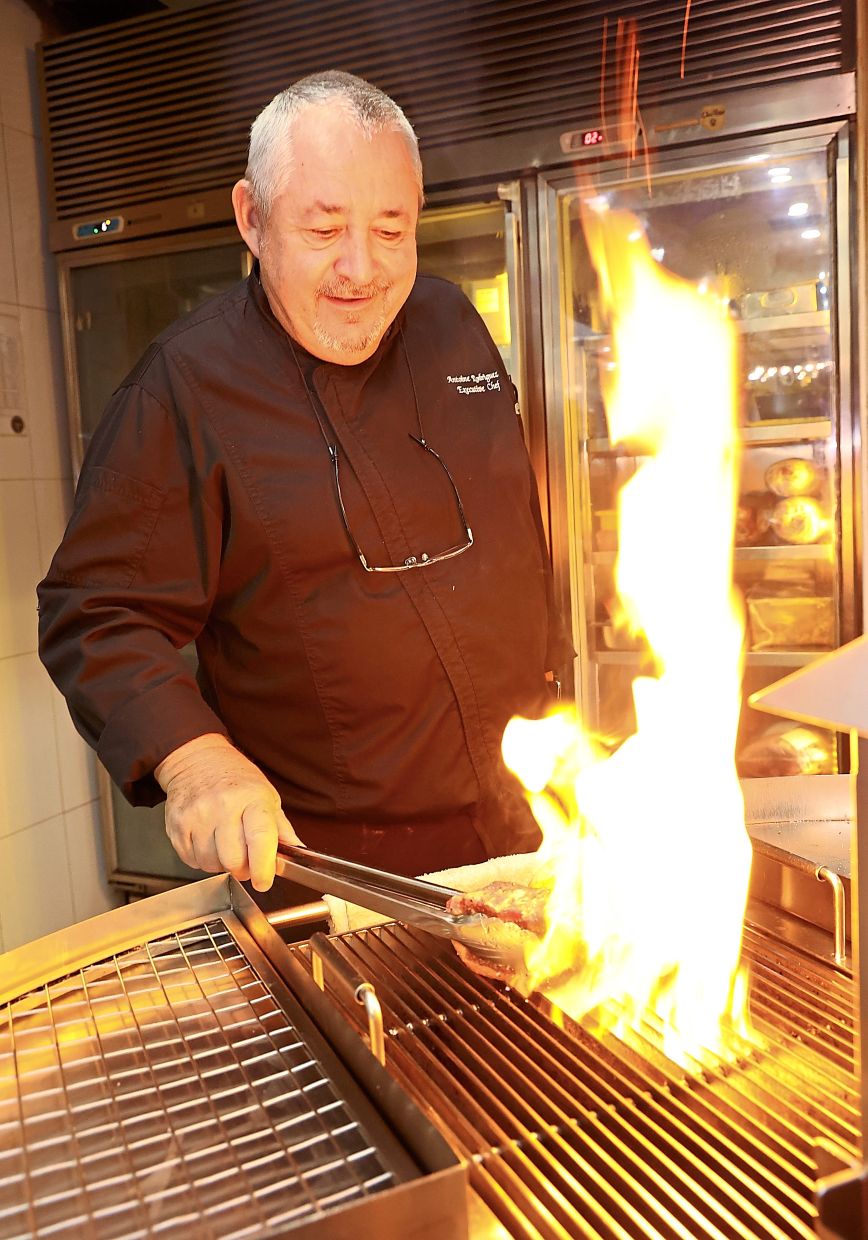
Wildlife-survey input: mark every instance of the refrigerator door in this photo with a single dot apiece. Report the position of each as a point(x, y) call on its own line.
point(759, 226)
point(475, 245)
point(116, 308)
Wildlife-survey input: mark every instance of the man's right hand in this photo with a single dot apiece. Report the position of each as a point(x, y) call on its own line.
point(222, 814)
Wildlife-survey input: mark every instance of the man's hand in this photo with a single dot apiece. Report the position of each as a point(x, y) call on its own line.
point(222, 814)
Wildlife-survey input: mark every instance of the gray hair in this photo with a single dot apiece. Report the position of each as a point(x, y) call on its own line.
point(269, 160)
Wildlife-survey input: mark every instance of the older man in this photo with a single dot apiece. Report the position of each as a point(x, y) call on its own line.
point(319, 478)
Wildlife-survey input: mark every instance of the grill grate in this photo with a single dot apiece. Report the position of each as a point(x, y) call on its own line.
point(164, 1091)
point(569, 1135)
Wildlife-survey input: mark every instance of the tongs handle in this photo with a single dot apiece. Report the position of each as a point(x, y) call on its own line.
point(411, 900)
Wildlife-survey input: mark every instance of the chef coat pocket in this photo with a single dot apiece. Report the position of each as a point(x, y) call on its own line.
point(113, 520)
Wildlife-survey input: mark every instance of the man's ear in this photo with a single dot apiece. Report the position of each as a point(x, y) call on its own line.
point(247, 216)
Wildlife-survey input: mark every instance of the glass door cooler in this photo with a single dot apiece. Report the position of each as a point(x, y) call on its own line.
point(763, 224)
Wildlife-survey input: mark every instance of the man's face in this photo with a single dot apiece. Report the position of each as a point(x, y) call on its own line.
point(338, 250)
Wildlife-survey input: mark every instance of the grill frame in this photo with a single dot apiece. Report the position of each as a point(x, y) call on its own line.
point(430, 1182)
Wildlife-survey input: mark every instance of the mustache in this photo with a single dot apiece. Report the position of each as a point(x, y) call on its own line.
point(346, 288)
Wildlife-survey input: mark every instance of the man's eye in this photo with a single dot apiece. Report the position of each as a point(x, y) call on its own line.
point(323, 234)
point(388, 234)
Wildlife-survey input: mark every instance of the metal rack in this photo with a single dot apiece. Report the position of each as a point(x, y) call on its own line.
point(173, 1087)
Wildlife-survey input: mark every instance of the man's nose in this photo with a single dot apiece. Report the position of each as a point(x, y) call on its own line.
point(356, 260)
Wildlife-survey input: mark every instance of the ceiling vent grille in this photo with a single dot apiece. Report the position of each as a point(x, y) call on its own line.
point(160, 106)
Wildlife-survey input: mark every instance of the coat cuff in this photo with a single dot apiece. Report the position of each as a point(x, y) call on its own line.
point(145, 730)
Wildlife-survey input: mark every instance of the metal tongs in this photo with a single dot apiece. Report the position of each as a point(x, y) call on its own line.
point(411, 900)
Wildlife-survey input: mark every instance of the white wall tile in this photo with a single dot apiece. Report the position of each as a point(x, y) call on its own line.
point(77, 763)
point(53, 506)
point(29, 775)
point(16, 460)
point(76, 760)
point(8, 285)
point(91, 894)
point(51, 866)
point(45, 394)
point(20, 23)
point(35, 887)
point(19, 568)
point(18, 89)
point(34, 265)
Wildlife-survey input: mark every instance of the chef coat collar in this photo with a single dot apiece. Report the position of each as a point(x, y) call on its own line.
point(309, 362)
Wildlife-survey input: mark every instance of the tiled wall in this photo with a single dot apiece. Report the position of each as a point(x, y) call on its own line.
point(51, 866)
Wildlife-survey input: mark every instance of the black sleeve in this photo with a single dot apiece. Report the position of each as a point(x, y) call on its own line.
point(559, 646)
point(131, 584)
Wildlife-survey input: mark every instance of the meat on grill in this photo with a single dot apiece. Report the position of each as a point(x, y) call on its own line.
point(515, 913)
point(524, 906)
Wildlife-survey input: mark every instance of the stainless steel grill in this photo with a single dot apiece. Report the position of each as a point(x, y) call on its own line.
point(176, 1088)
point(180, 1081)
point(569, 1135)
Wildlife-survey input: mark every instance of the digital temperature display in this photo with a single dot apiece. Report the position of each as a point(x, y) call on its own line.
point(593, 137)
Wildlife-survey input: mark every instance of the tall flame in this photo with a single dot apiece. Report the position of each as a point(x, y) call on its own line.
point(648, 854)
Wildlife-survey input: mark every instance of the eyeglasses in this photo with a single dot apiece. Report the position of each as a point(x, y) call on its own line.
point(423, 560)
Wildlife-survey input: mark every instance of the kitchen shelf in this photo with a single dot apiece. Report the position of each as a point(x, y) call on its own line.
point(621, 658)
point(753, 658)
point(802, 551)
point(605, 447)
point(784, 322)
point(783, 658)
point(786, 432)
point(808, 320)
point(757, 433)
point(810, 551)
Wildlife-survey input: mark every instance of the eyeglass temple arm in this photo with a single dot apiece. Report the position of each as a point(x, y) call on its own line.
point(423, 443)
point(333, 453)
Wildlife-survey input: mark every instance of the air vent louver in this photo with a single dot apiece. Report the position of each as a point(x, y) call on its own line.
point(160, 105)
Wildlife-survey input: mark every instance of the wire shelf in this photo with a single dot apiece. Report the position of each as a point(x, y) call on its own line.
point(162, 1091)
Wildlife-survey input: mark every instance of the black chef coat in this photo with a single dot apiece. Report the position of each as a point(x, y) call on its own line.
point(206, 512)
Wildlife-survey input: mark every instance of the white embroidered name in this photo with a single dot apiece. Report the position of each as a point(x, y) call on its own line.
point(487, 381)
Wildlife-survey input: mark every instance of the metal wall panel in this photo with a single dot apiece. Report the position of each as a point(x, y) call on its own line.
point(159, 106)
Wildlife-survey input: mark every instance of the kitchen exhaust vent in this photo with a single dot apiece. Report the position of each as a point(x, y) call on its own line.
point(158, 107)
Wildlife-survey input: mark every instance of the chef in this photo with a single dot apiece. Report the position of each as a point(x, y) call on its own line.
point(319, 479)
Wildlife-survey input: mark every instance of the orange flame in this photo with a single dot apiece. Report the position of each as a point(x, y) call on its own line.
point(647, 851)
point(684, 37)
